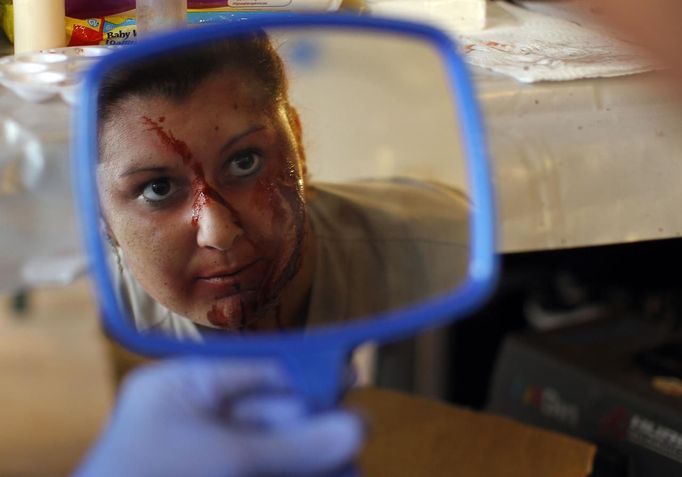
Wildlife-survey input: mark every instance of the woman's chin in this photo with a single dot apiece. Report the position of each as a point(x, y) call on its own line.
point(230, 313)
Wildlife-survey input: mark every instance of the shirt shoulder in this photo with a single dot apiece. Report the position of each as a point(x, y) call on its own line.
point(384, 210)
point(382, 245)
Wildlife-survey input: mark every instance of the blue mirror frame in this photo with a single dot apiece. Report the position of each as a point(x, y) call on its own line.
point(314, 358)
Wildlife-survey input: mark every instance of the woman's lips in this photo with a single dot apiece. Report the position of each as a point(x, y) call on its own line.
point(223, 283)
point(232, 293)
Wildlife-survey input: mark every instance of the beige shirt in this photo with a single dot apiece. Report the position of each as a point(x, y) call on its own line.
point(380, 245)
point(384, 245)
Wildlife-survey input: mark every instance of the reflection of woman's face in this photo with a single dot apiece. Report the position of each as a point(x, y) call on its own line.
point(204, 196)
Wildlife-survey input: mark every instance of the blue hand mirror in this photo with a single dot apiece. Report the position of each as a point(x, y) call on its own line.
point(287, 186)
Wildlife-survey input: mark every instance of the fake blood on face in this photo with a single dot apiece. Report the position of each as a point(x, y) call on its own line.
point(204, 194)
point(199, 187)
point(200, 200)
point(272, 194)
point(228, 316)
point(167, 138)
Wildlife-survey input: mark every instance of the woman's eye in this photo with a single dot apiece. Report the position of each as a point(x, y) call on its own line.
point(244, 164)
point(157, 190)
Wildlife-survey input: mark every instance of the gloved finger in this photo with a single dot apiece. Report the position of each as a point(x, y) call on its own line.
point(206, 382)
point(350, 470)
point(268, 412)
point(315, 446)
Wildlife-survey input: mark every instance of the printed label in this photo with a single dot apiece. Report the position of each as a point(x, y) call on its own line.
point(656, 437)
point(258, 3)
point(623, 425)
point(115, 30)
point(548, 401)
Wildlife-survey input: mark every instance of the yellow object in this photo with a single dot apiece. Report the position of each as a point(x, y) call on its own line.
point(38, 24)
point(7, 19)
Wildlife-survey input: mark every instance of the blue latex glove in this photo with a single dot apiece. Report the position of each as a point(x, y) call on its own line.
point(206, 418)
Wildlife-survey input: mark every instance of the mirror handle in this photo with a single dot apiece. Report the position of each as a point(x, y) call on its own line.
point(319, 375)
point(323, 377)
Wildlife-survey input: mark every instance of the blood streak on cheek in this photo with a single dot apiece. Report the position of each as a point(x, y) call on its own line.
point(289, 184)
point(273, 194)
point(199, 192)
point(265, 199)
point(200, 201)
point(289, 176)
point(167, 138)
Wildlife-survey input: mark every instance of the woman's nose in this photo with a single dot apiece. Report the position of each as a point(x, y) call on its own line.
point(217, 227)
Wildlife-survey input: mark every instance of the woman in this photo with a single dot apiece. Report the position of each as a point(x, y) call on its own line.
point(205, 199)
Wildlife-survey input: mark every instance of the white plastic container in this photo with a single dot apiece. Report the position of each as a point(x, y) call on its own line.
point(41, 75)
point(38, 25)
point(454, 16)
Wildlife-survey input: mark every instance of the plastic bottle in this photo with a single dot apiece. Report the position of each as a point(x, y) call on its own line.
point(160, 15)
point(38, 24)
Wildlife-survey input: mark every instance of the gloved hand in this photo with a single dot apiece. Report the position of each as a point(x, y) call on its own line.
point(210, 418)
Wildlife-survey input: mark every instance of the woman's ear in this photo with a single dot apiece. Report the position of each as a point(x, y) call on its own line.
point(295, 123)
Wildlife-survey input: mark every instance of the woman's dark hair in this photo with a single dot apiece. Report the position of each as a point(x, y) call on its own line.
point(177, 74)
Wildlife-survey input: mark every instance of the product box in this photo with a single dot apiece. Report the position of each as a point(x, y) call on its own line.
point(590, 381)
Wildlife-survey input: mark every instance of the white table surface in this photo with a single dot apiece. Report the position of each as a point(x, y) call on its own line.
point(585, 162)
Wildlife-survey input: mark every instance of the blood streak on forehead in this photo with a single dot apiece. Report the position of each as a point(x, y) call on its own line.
point(203, 193)
point(167, 138)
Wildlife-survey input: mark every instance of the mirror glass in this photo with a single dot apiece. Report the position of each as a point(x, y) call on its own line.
point(287, 179)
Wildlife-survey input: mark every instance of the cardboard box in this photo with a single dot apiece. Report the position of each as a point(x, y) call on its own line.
point(586, 381)
point(412, 437)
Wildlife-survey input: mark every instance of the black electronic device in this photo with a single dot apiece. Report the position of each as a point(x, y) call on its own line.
point(612, 382)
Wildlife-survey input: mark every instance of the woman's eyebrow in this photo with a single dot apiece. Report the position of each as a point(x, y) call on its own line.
point(137, 170)
point(162, 169)
point(242, 135)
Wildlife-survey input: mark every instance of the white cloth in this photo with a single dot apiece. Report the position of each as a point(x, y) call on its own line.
point(380, 245)
point(548, 43)
point(530, 47)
